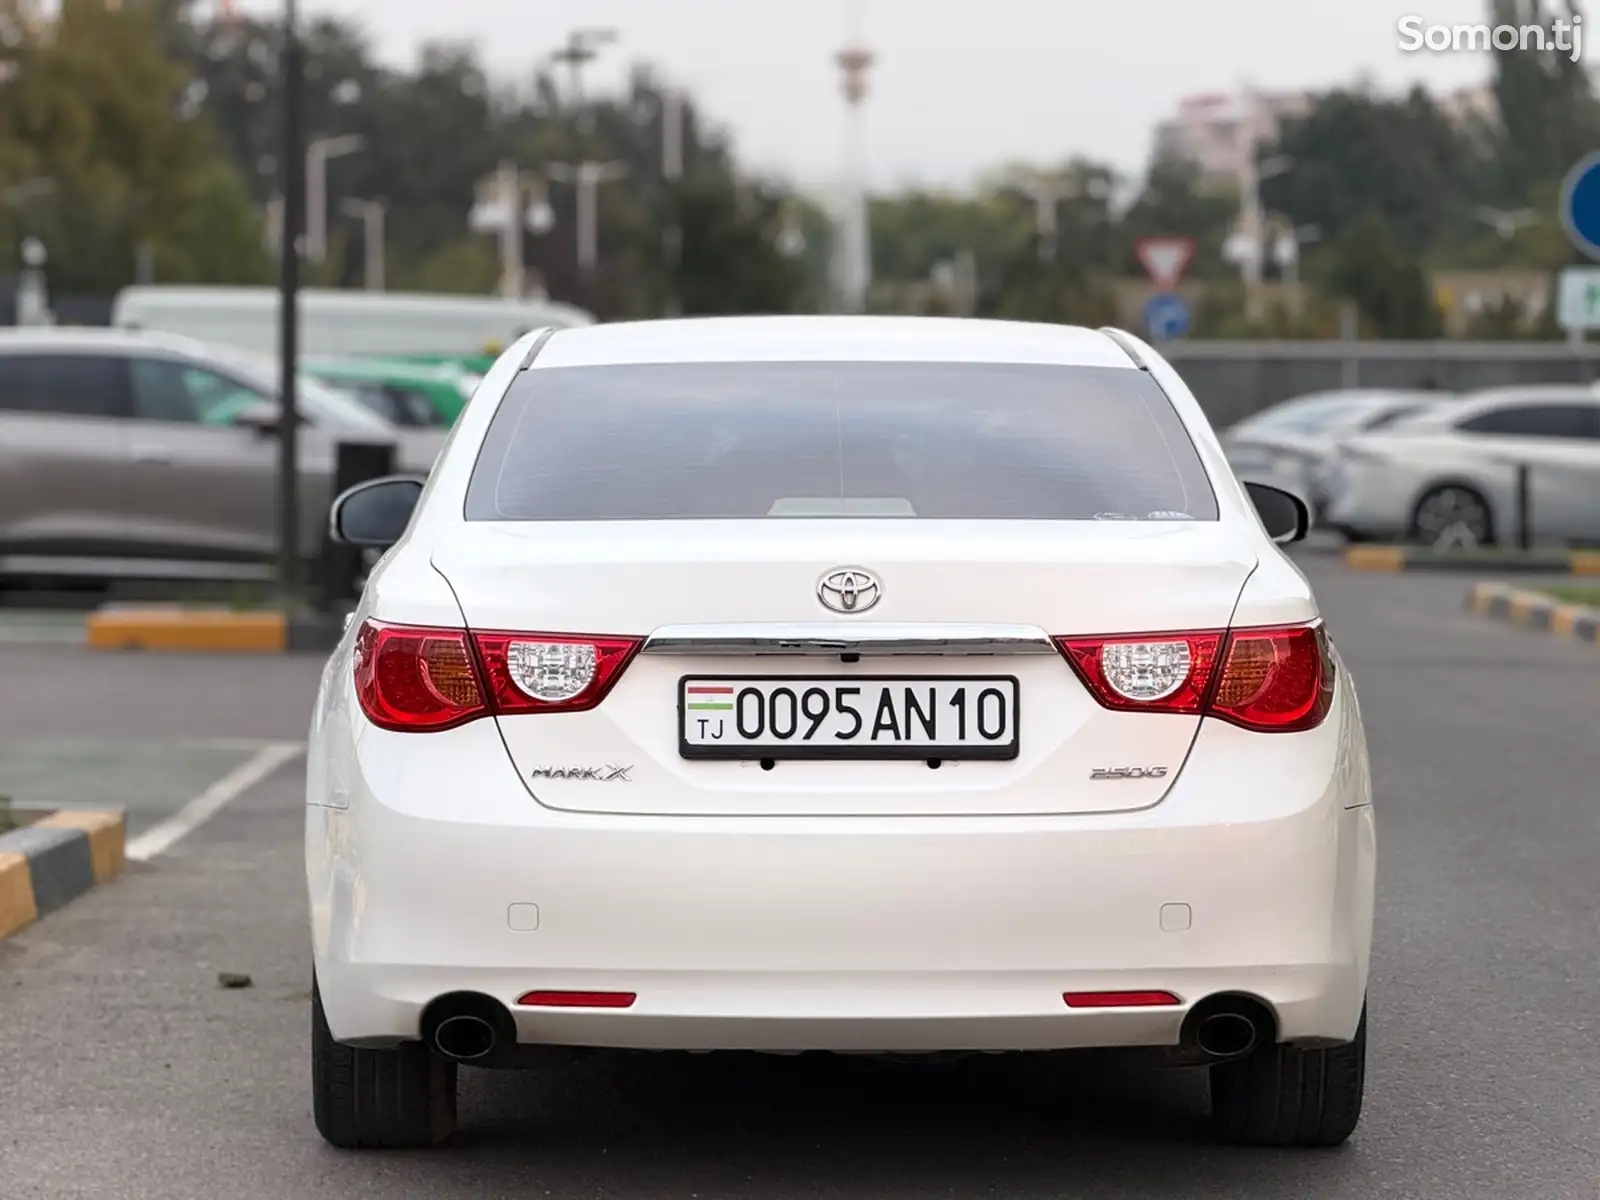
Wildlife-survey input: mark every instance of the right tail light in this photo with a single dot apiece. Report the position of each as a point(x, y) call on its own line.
point(1271, 680)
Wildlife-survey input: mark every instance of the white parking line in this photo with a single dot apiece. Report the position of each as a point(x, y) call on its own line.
point(208, 803)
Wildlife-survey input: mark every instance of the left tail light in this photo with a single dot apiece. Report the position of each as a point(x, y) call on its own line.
point(415, 679)
point(1270, 680)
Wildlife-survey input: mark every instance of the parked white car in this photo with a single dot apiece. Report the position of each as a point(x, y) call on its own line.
point(1289, 443)
point(1448, 476)
point(868, 685)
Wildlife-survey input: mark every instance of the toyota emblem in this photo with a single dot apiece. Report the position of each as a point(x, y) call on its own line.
point(849, 590)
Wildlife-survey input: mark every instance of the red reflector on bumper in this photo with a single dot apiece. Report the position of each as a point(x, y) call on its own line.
point(578, 999)
point(1119, 999)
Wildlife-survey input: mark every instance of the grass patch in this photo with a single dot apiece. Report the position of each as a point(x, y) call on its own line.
point(9, 819)
point(1575, 595)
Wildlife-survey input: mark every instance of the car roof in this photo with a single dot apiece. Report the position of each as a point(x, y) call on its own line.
point(1534, 393)
point(55, 339)
point(830, 339)
point(373, 367)
point(1369, 397)
point(165, 296)
point(1470, 404)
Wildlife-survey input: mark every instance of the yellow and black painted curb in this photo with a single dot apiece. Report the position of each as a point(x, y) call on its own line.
point(1421, 558)
point(56, 859)
point(1531, 610)
point(176, 629)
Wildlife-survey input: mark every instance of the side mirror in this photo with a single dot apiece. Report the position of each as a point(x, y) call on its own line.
point(259, 415)
point(374, 513)
point(1286, 517)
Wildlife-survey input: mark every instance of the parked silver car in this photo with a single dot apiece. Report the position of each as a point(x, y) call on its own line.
point(1448, 476)
point(150, 456)
point(1288, 444)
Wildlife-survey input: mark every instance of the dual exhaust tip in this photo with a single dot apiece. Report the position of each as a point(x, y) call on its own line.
point(464, 1038)
point(1228, 1026)
point(1226, 1035)
point(467, 1027)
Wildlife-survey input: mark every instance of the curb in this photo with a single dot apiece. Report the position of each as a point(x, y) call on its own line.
point(57, 859)
point(1530, 610)
point(1419, 558)
point(208, 631)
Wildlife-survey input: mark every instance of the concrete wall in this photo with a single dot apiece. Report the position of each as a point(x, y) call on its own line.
point(1234, 379)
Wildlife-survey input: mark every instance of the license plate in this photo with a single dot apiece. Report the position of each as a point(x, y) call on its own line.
point(807, 716)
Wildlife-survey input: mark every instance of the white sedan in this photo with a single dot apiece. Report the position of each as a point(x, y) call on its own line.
point(1289, 444)
point(1449, 476)
point(867, 685)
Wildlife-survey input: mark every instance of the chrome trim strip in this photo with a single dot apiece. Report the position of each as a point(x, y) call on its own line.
point(835, 638)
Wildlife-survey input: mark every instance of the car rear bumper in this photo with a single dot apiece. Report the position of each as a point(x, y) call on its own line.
point(850, 934)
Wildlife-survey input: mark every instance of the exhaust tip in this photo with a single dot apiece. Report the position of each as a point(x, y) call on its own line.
point(464, 1038)
point(1226, 1035)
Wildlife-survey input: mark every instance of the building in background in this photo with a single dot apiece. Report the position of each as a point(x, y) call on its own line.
point(1218, 131)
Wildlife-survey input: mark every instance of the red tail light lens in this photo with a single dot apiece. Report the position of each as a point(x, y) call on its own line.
point(416, 679)
point(1168, 672)
point(1276, 680)
point(551, 672)
point(410, 678)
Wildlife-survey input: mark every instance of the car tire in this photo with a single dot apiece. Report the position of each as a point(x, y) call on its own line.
point(1467, 505)
point(398, 1099)
point(1285, 1096)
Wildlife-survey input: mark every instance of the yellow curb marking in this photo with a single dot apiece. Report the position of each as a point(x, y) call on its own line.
point(16, 893)
point(1374, 558)
point(201, 630)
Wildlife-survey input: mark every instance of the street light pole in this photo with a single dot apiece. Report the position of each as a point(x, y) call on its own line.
point(370, 213)
point(671, 134)
point(317, 156)
point(292, 162)
point(671, 174)
point(582, 47)
point(1047, 196)
point(587, 177)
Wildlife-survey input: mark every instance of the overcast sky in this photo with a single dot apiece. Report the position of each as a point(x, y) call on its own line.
point(961, 85)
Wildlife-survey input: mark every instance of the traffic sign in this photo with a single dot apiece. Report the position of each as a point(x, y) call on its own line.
point(1166, 316)
point(1164, 259)
point(1580, 204)
point(1578, 299)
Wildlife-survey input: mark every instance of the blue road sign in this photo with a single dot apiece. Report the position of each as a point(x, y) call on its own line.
point(1580, 204)
point(1166, 316)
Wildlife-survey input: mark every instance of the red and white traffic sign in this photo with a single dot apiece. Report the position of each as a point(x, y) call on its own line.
point(1164, 259)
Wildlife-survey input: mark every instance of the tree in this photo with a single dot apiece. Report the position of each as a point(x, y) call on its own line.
point(1355, 153)
point(914, 231)
point(105, 115)
point(1548, 115)
point(1387, 285)
point(729, 261)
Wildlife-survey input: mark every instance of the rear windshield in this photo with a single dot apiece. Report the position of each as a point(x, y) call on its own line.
point(948, 441)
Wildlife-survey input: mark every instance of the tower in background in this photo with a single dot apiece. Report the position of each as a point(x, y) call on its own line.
point(852, 238)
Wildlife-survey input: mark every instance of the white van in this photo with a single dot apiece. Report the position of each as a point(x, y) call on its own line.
point(342, 323)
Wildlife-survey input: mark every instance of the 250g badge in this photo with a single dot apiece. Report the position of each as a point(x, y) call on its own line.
point(1128, 773)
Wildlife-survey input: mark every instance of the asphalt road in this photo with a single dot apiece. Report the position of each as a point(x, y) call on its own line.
point(126, 1072)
